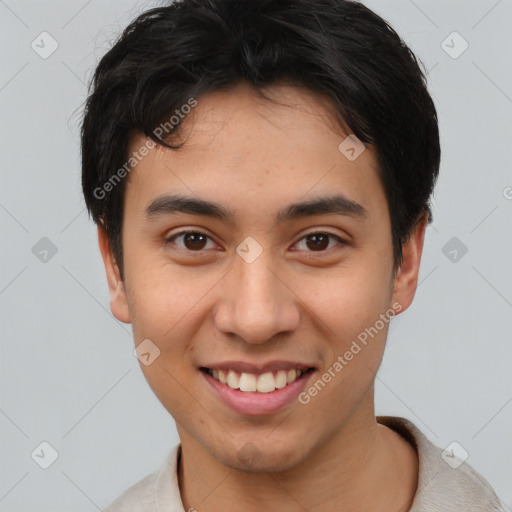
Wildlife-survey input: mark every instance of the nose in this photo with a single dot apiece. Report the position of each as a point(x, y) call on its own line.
point(255, 303)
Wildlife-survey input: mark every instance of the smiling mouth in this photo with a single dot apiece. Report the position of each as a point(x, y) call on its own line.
point(256, 383)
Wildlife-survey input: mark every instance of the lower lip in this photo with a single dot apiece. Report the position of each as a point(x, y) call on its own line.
point(254, 403)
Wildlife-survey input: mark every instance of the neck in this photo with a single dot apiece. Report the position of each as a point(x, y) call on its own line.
point(365, 466)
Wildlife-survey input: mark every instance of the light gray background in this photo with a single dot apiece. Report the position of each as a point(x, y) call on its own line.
point(68, 374)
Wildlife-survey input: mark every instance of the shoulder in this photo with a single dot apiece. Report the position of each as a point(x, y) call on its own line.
point(157, 492)
point(140, 496)
point(443, 486)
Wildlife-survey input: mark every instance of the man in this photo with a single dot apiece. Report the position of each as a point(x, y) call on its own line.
point(260, 173)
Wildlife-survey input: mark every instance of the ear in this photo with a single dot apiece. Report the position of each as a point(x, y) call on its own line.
point(118, 300)
point(406, 278)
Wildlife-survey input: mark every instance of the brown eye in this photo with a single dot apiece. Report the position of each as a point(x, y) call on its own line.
point(317, 241)
point(192, 241)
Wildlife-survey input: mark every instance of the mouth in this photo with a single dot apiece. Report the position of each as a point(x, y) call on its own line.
point(247, 382)
point(258, 392)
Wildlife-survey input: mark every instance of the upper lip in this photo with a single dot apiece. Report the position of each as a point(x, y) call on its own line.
point(257, 368)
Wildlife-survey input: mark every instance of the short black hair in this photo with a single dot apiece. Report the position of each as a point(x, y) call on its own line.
point(339, 49)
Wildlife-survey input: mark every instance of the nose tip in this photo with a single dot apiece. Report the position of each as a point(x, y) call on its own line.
point(255, 305)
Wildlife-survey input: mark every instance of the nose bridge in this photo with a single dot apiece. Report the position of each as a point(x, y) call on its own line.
point(255, 305)
point(257, 286)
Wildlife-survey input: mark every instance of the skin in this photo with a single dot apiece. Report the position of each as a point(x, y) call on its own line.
point(293, 302)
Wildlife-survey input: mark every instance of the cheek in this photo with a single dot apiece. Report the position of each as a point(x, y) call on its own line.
point(166, 309)
point(166, 301)
point(349, 303)
point(169, 306)
point(348, 299)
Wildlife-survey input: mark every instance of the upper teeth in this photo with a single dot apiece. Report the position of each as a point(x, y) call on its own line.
point(263, 383)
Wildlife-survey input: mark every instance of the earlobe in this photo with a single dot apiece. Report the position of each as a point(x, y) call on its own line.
point(406, 278)
point(118, 299)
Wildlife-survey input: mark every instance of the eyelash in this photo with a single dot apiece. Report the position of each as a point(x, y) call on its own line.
point(171, 239)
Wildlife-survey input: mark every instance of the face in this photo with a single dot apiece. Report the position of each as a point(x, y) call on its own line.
point(256, 250)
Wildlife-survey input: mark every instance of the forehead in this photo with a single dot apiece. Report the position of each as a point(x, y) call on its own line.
point(243, 148)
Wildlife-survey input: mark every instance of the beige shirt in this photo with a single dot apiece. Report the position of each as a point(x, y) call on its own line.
point(441, 488)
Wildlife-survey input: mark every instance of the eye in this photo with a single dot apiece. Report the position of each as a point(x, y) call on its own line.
point(192, 241)
point(318, 242)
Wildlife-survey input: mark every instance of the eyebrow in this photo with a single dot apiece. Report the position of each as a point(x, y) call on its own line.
point(330, 205)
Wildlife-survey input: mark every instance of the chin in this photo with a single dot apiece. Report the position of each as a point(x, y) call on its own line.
point(260, 457)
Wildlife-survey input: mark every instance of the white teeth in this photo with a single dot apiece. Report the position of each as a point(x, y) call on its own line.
point(281, 379)
point(266, 383)
point(291, 376)
point(233, 380)
point(262, 383)
point(247, 382)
